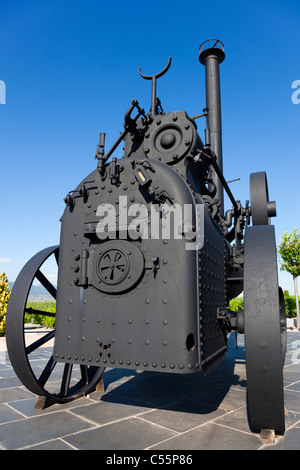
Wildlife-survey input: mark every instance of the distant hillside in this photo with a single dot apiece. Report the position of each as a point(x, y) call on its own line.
point(37, 293)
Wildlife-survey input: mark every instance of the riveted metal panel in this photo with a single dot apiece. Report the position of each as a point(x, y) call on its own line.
point(147, 316)
point(212, 294)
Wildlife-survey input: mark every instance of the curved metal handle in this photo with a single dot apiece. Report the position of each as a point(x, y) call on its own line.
point(157, 75)
point(153, 78)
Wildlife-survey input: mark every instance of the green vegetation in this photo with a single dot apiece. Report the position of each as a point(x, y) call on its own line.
point(43, 320)
point(289, 251)
point(236, 304)
point(4, 297)
point(290, 304)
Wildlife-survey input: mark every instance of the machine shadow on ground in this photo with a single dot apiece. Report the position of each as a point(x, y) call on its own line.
point(193, 393)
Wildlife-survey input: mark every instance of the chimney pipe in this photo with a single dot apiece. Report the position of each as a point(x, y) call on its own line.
point(211, 54)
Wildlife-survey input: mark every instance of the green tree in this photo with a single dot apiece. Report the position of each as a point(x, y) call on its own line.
point(289, 250)
point(4, 297)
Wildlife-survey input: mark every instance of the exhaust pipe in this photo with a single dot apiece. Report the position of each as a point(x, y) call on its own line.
point(211, 54)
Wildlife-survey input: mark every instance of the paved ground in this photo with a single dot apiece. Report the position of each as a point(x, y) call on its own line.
point(149, 411)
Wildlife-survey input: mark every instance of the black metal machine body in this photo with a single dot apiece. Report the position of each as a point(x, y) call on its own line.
point(136, 306)
point(148, 261)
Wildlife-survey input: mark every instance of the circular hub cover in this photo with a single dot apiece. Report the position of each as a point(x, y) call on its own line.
point(113, 266)
point(118, 266)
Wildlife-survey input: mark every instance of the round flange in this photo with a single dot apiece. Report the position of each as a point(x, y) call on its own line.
point(119, 265)
point(170, 137)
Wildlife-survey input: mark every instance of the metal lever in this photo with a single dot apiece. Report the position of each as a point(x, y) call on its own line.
point(153, 78)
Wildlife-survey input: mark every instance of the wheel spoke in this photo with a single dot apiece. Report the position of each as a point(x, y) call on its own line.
point(38, 343)
point(65, 384)
point(39, 312)
point(56, 254)
point(46, 283)
point(84, 373)
point(47, 371)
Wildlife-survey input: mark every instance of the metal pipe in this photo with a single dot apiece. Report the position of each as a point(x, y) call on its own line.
point(211, 55)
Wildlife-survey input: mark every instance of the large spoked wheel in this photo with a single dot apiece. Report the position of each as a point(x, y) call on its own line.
point(265, 330)
point(70, 382)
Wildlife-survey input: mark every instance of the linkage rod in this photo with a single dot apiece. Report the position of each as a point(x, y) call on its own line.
point(222, 179)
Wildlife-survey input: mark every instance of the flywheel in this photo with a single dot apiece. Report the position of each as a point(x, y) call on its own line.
point(261, 208)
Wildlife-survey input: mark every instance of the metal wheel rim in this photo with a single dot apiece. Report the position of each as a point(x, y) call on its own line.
point(259, 196)
point(264, 336)
point(15, 339)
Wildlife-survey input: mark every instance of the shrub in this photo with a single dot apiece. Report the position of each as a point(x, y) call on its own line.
point(236, 304)
point(290, 304)
point(4, 297)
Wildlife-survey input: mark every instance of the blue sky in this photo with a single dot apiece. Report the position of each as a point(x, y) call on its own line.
point(71, 70)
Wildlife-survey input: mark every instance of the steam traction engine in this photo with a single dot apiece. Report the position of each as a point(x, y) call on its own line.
point(132, 295)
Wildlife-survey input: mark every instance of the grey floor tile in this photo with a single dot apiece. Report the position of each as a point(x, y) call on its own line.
point(10, 382)
point(292, 372)
point(57, 444)
point(292, 400)
point(7, 414)
point(226, 399)
point(183, 416)
point(293, 419)
point(152, 398)
point(13, 394)
point(30, 431)
point(7, 372)
point(236, 419)
point(211, 437)
point(4, 359)
point(107, 412)
point(129, 434)
point(295, 386)
point(27, 407)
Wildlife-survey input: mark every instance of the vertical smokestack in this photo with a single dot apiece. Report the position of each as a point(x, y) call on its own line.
point(211, 54)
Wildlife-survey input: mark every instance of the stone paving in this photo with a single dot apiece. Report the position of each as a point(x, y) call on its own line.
point(149, 411)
